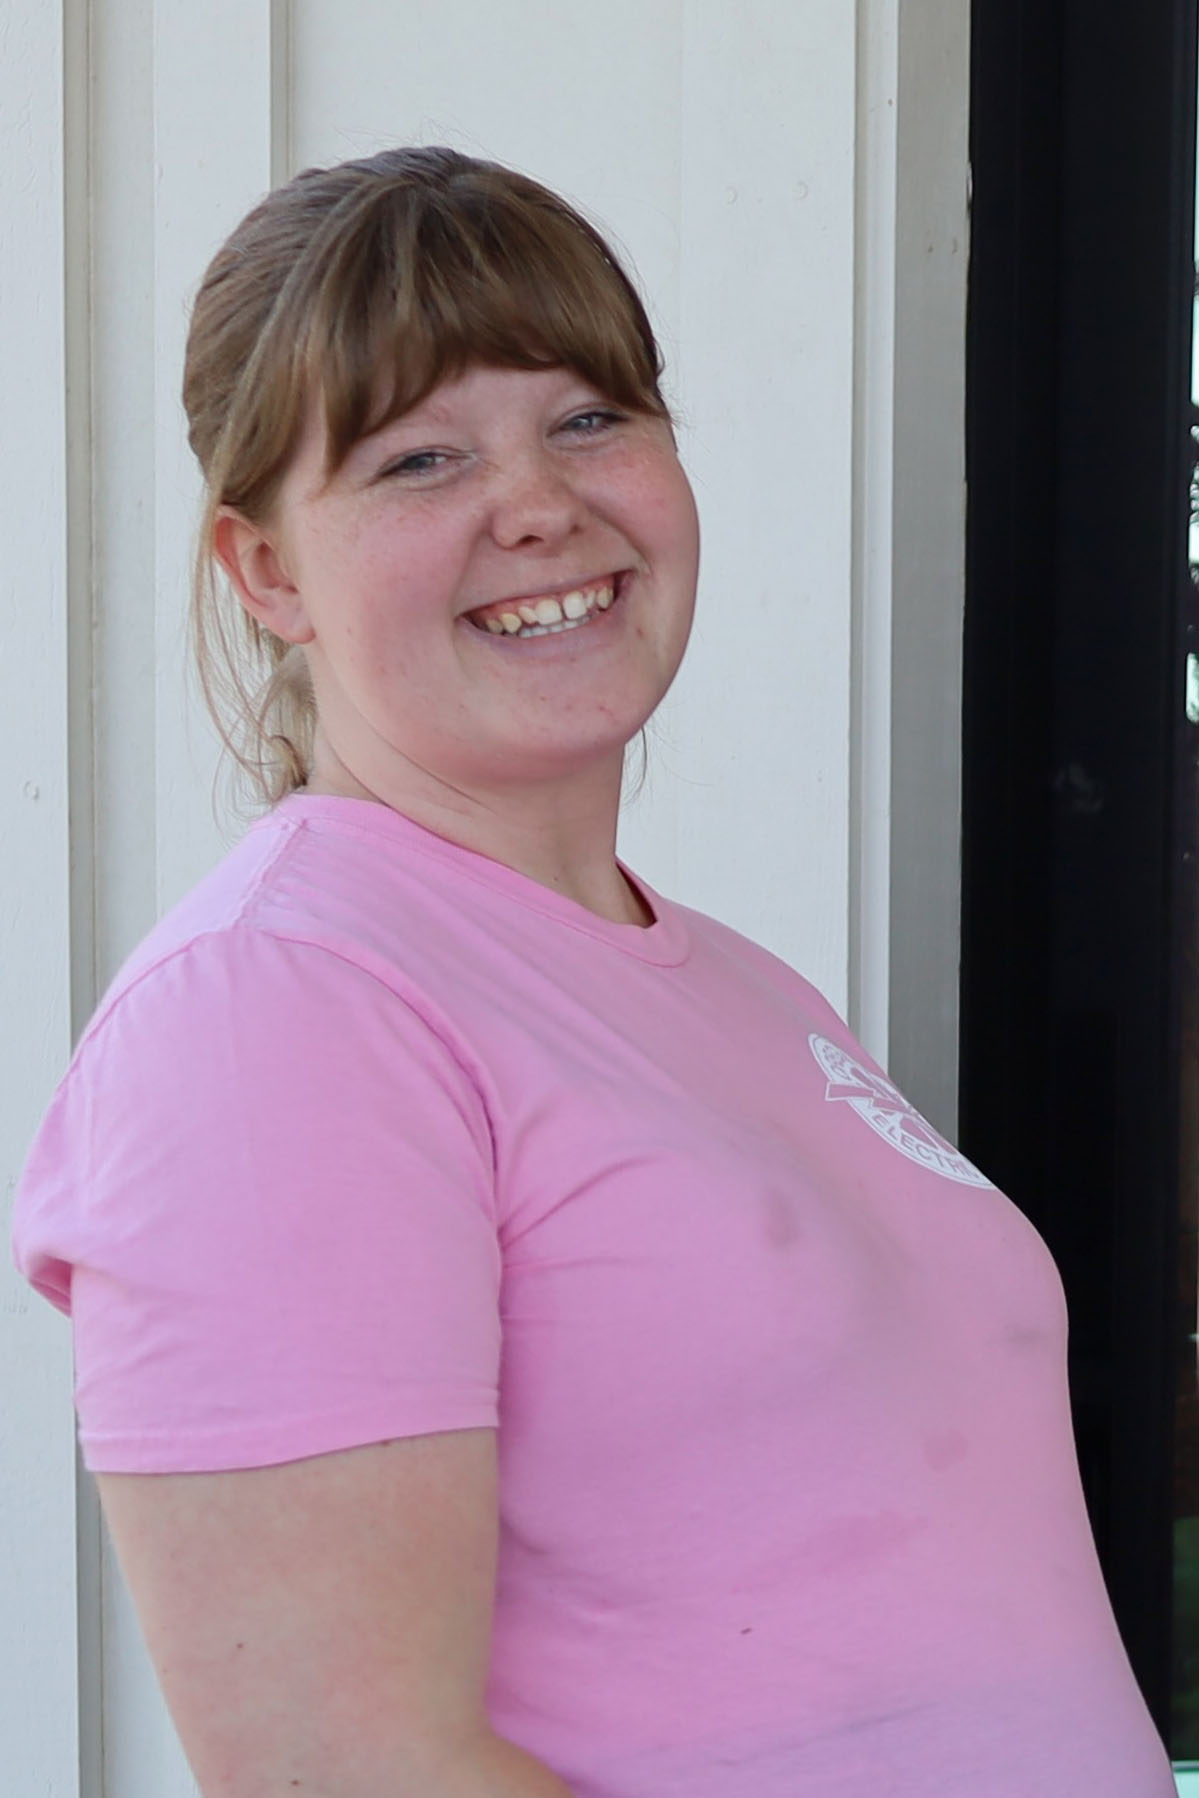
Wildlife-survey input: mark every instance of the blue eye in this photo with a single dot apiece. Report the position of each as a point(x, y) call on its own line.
point(417, 463)
point(594, 420)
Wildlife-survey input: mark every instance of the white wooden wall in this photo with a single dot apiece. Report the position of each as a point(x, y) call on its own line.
point(789, 181)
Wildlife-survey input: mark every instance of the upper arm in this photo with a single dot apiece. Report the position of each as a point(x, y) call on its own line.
point(320, 1626)
point(267, 1188)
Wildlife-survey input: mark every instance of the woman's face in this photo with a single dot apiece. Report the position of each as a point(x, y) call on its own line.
point(495, 588)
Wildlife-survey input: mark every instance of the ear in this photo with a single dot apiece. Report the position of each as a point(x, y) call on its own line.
point(251, 559)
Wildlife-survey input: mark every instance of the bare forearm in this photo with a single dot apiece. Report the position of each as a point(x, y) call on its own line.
point(488, 1767)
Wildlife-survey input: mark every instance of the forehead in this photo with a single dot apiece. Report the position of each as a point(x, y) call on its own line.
point(482, 387)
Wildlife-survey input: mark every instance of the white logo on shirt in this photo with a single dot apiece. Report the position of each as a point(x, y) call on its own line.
point(890, 1115)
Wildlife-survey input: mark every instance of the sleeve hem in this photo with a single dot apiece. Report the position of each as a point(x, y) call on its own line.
point(238, 1448)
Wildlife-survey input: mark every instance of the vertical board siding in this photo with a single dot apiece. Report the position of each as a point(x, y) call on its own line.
point(124, 381)
point(211, 99)
point(750, 164)
point(38, 1660)
point(762, 725)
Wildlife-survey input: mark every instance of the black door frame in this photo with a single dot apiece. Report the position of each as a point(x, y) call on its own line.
point(1080, 792)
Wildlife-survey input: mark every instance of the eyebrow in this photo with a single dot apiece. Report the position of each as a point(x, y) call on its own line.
point(424, 416)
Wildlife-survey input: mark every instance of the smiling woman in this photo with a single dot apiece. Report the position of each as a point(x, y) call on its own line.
point(525, 1345)
point(510, 497)
point(342, 302)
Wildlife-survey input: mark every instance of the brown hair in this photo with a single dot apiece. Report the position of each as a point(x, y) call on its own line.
point(411, 265)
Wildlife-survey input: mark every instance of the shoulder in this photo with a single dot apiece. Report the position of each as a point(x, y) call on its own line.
point(283, 933)
point(247, 1027)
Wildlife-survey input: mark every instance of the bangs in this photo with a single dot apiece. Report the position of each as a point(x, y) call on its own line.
point(424, 283)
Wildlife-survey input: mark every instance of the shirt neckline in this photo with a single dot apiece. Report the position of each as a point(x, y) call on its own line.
point(665, 942)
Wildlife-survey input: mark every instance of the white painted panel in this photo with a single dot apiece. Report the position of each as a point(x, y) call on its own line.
point(212, 92)
point(123, 384)
point(38, 1660)
point(551, 86)
point(720, 156)
point(760, 732)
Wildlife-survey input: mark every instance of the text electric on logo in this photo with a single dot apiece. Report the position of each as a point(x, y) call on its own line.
point(889, 1114)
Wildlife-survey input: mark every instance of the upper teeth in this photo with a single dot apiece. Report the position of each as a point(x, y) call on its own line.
point(534, 617)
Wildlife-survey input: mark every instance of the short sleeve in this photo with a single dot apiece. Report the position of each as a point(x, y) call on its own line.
point(264, 1193)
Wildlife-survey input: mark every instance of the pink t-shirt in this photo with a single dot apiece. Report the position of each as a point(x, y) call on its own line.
point(373, 1136)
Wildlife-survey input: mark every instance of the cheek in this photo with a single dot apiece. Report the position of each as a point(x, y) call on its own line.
point(373, 595)
point(689, 531)
point(676, 520)
point(654, 506)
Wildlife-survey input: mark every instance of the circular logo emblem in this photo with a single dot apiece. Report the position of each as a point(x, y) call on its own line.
point(889, 1114)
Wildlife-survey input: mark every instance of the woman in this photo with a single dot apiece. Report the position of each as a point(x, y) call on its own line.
point(523, 1345)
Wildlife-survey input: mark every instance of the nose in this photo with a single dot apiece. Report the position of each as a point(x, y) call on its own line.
point(535, 503)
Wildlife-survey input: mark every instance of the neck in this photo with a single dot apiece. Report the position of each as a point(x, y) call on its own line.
point(559, 833)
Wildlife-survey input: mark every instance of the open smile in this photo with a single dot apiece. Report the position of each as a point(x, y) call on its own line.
point(549, 614)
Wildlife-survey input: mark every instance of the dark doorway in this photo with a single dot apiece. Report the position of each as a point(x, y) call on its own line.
point(1080, 927)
